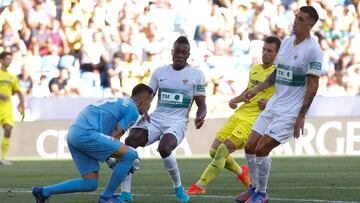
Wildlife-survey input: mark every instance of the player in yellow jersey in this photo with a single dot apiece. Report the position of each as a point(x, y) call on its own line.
point(234, 134)
point(9, 85)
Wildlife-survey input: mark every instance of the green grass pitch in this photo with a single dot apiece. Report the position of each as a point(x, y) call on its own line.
point(295, 179)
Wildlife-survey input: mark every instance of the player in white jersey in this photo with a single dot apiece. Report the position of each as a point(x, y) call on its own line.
point(298, 67)
point(177, 86)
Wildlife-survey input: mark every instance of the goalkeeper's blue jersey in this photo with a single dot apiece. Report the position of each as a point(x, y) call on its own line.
point(106, 114)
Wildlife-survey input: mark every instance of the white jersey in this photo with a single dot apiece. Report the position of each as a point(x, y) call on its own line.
point(293, 63)
point(176, 91)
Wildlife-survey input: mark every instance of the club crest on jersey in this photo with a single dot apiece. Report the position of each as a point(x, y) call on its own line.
point(185, 81)
point(295, 57)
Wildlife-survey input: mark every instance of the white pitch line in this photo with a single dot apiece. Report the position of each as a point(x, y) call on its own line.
point(234, 188)
point(314, 187)
point(311, 200)
point(26, 190)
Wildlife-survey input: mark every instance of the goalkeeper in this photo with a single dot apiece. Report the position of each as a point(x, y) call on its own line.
point(92, 138)
point(236, 131)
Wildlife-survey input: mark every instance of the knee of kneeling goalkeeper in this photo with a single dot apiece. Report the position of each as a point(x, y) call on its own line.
point(125, 153)
point(130, 155)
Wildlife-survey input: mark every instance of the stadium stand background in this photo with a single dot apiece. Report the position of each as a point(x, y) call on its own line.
point(70, 53)
point(102, 48)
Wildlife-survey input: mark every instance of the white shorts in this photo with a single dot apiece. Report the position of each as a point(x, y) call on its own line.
point(278, 127)
point(158, 127)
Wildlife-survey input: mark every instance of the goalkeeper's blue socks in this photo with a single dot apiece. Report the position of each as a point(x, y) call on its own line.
point(69, 186)
point(121, 170)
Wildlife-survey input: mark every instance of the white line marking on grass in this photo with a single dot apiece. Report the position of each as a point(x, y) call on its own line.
point(278, 199)
point(26, 190)
point(274, 188)
point(311, 200)
point(314, 187)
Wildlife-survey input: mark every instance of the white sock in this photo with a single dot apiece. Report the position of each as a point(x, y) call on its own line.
point(171, 166)
point(250, 159)
point(126, 183)
point(264, 165)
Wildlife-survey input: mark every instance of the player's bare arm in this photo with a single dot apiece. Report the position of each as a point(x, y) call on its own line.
point(201, 111)
point(145, 117)
point(4, 97)
point(234, 101)
point(269, 81)
point(21, 106)
point(117, 133)
point(312, 84)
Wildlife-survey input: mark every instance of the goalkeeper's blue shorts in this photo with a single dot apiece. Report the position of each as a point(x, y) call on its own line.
point(88, 147)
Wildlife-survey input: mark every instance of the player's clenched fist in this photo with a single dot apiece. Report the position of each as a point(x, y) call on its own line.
point(199, 122)
point(233, 104)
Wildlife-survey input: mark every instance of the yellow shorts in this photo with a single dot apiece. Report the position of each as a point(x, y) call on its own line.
point(6, 117)
point(235, 130)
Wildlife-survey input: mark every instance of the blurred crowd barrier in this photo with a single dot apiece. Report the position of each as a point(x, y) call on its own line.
point(62, 108)
point(323, 136)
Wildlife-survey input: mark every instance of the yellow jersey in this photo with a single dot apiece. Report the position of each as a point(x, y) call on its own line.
point(8, 85)
point(248, 112)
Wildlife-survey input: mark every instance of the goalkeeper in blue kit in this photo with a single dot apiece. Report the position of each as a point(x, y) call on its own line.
point(94, 137)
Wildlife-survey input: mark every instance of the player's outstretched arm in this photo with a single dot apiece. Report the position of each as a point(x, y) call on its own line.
point(201, 111)
point(312, 84)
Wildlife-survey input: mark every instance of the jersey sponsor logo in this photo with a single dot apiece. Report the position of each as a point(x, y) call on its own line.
point(315, 65)
point(5, 82)
point(200, 88)
point(254, 82)
point(171, 97)
point(284, 74)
